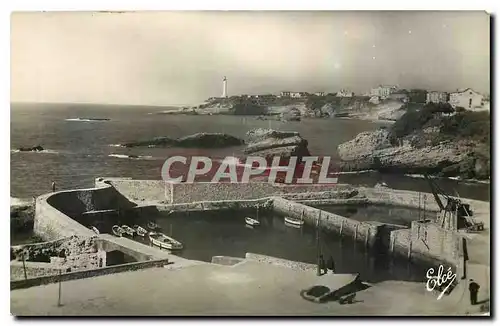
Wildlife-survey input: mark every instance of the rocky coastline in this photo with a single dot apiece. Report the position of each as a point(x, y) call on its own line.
point(202, 140)
point(417, 153)
point(271, 143)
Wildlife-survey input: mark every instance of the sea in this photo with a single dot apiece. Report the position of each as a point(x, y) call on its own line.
point(78, 150)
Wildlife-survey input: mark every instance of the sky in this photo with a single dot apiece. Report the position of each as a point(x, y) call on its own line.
point(180, 58)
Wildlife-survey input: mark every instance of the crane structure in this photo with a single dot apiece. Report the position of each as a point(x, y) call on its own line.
point(455, 214)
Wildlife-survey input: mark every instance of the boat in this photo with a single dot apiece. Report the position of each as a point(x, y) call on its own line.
point(251, 221)
point(117, 230)
point(294, 221)
point(295, 226)
point(163, 241)
point(152, 225)
point(140, 230)
point(96, 230)
point(128, 230)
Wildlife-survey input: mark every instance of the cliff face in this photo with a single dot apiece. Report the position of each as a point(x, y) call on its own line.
point(270, 143)
point(373, 150)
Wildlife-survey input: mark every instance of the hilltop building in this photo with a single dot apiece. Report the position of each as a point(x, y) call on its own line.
point(293, 94)
point(467, 98)
point(437, 97)
point(383, 91)
point(344, 93)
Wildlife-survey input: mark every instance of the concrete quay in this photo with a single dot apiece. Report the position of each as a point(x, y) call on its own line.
point(245, 289)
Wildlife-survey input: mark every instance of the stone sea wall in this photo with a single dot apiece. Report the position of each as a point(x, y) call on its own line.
point(364, 232)
point(140, 191)
point(52, 210)
point(21, 284)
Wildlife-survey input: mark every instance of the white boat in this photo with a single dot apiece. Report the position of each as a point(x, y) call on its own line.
point(128, 230)
point(295, 226)
point(96, 230)
point(140, 230)
point(117, 230)
point(251, 221)
point(152, 225)
point(294, 221)
point(163, 241)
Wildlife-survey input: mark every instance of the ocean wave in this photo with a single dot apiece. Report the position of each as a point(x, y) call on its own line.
point(467, 181)
point(14, 201)
point(355, 172)
point(45, 151)
point(87, 119)
point(131, 157)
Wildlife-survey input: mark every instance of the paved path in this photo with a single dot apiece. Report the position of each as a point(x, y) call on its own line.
point(248, 288)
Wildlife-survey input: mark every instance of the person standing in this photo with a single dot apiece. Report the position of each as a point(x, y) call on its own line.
point(53, 186)
point(322, 265)
point(473, 289)
point(331, 264)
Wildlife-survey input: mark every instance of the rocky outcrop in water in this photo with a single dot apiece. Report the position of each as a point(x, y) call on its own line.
point(373, 150)
point(37, 148)
point(199, 140)
point(271, 143)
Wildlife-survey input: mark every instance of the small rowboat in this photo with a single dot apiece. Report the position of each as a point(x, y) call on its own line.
point(140, 230)
point(96, 230)
point(117, 230)
point(128, 230)
point(163, 241)
point(152, 225)
point(251, 221)
point(295, 226)
point(294, 221)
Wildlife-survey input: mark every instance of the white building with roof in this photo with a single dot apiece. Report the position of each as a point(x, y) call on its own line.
point(467, 98)
point(344, 93)
point(437, 97)
point(383, 91)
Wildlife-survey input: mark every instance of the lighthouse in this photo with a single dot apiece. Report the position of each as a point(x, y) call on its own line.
point(224, 87)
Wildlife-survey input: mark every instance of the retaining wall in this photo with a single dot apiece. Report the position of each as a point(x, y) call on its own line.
point(141, 190)
point(364, 232)
point(195, 192)
point(52, 210)
point(280, 262)
point(33, 270)
point(426, 241)
point(20, 284)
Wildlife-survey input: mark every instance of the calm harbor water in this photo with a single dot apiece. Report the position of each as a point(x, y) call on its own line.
point(206, 235)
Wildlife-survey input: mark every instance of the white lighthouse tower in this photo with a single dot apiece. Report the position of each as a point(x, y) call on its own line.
point(224, 87)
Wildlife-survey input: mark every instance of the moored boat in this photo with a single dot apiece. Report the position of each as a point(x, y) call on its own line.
point(128, 230)
point(140, 230)
point(251, 221)
point(117, 230)
point(152, 225)
point(294, 221)
point(96, 230)
point(295, 226)
point(163, 241)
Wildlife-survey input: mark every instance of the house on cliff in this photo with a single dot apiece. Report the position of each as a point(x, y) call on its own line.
point(467, 98)
point(383, 91)
point(293, 94)
point(344, 93)
point(437, 97)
